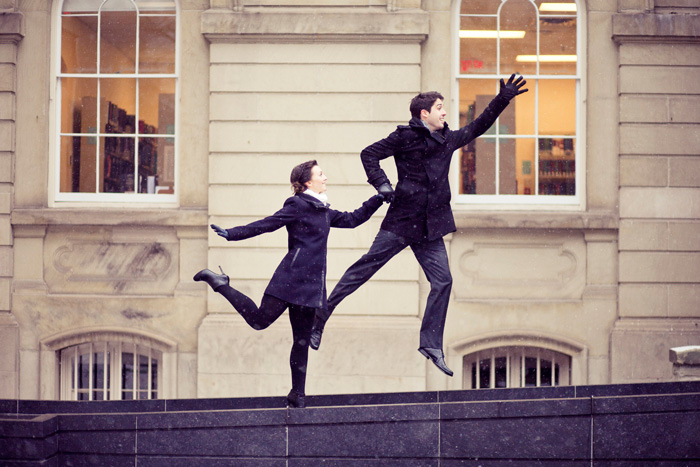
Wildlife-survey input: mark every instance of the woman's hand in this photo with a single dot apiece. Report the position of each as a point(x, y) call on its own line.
point(219, 231)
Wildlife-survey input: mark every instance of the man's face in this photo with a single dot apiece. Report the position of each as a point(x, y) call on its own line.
point(318, 180)
point(435, 119)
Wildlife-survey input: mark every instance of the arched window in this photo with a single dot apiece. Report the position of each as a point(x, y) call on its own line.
point(512, 367)
point(106, 370)
point(116, 101)
point(533, 154)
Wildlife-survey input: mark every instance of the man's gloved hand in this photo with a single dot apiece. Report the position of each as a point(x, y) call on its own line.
point(512, 88)
point(219, 231)
point(387, 192)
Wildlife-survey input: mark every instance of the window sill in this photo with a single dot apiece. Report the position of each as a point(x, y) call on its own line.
point(595, 220)
point(93, 216)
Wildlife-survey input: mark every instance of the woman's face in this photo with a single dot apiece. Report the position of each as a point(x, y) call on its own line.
point(317, 183)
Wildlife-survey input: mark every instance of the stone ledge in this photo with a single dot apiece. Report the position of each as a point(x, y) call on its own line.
point(116, 216)
point(226, 26)
point(688, 355)
point(11, 28)
point(643, 27)
point(537, 220)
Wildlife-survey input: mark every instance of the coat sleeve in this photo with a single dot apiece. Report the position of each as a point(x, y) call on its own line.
point(284, 216)
point(348, 220)
point(372, 154)
point(459, 138)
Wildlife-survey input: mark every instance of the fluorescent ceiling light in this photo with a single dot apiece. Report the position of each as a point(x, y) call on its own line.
point(474, 34)
point(546, 58)
point(558, 7)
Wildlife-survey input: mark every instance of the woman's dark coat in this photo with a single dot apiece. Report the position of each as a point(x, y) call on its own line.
point(301, 276)
point(421, 207)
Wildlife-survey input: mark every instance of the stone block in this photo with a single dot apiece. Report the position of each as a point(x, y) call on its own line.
point(663, 267)
point(655, 79)
point(684, 236)
point(641, 108)
point(7, 77)
point(315, 78)
point(114, 261)
point(504, 265)
point(6, 261)
point(9, 346)
point(684, 109)
point(295, 137)
point(686, 355)
point(6, 172)
point(8, 53)
point(601, 264)
point(659, 203)
point(358, 107)
point(684, 300)
point(643, 235)
point(5, 230)
point(5, 293)
point(684, 172)
point(316, 52)
point(659, 53)
point(638, 301)
point(602, 71)
point(680, 139)
point(7, 106)
point(603, 151)
point(7, 135)
point(639, 347)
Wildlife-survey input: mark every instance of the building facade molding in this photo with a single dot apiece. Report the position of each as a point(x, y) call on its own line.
point(227, 26)
point(654, 28)
point(11, 28)
point(117, 216)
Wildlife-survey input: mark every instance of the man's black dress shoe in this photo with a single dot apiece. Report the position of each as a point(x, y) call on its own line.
point(296, 400)
point(437, 358)
point(210, 277)
point(316, 333)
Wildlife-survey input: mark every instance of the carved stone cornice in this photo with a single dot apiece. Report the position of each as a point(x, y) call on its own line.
point(653, 27)
point(227, 26)
point(11, 28)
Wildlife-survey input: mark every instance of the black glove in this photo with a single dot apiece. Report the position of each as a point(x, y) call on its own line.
point(219, 231)
point(387, 192)
point(512, 88)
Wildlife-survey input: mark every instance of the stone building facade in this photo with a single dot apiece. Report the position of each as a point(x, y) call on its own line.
point(587, 283)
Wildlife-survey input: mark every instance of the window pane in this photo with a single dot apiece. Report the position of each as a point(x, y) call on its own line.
point(117, 41)
point(83, 371)
point(518, 15)
point(525, 166)
point(150, 6)
point(81, 6)
point(127, 371)
point(530, 371)
point(117, 165)
point(157, 106)
point(98, 370)
point(557, 45)
point(481, 7)
point(557, 107)
point(119, 105)
point(157, 44)
point(143, 372)
point(485, 373)
point(545, 372)
point(557, 166)
point(477, 53)
point(501, 372)
point(473, 375)
point(78, 111)
point(79, 44)
point(154, 375)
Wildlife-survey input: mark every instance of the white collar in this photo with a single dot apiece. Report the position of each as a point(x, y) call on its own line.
point(322, 197)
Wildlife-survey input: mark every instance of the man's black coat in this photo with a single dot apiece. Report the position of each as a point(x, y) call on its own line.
point(421, 207)
point(301, 276)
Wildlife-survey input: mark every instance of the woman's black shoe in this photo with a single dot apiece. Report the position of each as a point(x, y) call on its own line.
point(296, 400)
point(210, 277)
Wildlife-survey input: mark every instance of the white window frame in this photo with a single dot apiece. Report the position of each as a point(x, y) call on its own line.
point(515, 365)
point(534, 201)
point(111, 386)
point(70, 199)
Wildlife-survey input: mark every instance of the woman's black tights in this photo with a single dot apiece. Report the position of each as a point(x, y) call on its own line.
point(271, 308)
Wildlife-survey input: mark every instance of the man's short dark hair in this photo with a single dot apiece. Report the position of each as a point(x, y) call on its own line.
point(424, 101)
